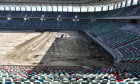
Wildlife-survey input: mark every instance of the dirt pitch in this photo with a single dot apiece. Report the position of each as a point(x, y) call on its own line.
point(63, 48)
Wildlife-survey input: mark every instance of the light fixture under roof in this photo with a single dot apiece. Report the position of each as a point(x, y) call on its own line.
point(41, 18)
point(25, 18)
point(8, 18)
point(76, 16)
point(59, 16)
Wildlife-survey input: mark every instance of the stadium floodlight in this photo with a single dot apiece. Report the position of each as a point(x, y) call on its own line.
point(8, 18)
point(41, 18)
point(25, 15)
point(42, 15)
point(76, 16)
point(25, 18)
point(94, 20)
point(57, 19)
point(73, 19)
point(77, 20)
point(59, 16)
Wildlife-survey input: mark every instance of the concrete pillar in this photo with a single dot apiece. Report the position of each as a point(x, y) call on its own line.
point(15, 8)
point(72, 8)
point(126, 3)
point(4, 8)
point(102, 8)
point(117, 5)
point(67, 8)
point(41, 8)
point(108, 8)
point(52, 8)
point(10, 8)
point(87, 9)
point(62, 7)
point(25, 8)
point(94, 9)
point(121, 5)
point(57, 8)
point(138, 2)
point(131, 2)
point(31, 8)
point(113, 6)
point(46, 8)
point(36, 8)
point(20, 8)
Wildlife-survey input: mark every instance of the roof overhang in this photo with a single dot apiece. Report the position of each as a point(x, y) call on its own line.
point(58, 2)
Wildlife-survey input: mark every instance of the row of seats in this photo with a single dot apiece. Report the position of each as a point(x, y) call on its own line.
point(126, 11)
point(13, 23)
point(2, 22)
point(43, 24)
point(45, 14)
point(99, 28)
point(123, 37)
point(133, 28)
point(67, 24)
point(131, 60)
point(117, 38)
point(32, 23)
point(82, 24)
point(50, 24)
point(114, 34)
point(67, 75)
point(131, 50)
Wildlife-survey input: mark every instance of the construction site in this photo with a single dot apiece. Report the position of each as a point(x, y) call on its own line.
point(50, 48)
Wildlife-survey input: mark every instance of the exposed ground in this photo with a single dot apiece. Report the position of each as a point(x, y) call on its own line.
point(63, 48)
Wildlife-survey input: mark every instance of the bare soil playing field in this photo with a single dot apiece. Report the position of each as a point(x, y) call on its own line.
point(63, 48)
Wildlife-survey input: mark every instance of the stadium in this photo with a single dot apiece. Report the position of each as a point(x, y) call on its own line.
point(69, 41)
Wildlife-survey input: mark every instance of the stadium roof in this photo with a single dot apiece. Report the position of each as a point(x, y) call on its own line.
point(64, 2)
